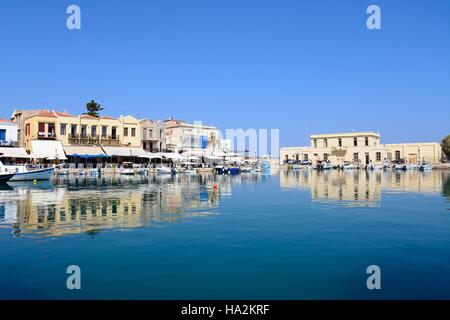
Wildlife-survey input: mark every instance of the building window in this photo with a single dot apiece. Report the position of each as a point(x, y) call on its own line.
point(144, 134)
point(397, 155)
point(150, 133)
point(104, 131)
point(125, 132)
point(355, 142)
point(83, 130)
point(161, 133)
point(296, 157)
point(73, 130)
point(51, 129)
point(378, 155)
point(94, 131)
point(62, 129)
point(41, 129)
point(340, 142)
point(325, 143)
point(355, 157)
point(366, 141)
point(27, 129)
point(306, 157)
point(325, 156)
point(315, 143)
point(133, 132)
point(114, 133)
point(286, 157)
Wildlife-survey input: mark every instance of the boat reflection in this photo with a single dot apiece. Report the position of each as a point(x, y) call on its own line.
point(77, 205)
point(360, 187)
point(70, 205)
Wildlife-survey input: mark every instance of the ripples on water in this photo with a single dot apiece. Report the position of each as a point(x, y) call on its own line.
point(248, 236)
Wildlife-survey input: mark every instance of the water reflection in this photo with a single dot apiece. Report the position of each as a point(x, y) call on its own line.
point(446, 187)
point(359, 187)
point(84, 204)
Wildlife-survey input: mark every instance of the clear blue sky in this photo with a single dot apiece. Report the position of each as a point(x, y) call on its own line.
point(301, 66)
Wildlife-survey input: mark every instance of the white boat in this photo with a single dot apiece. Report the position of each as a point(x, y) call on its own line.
point(296, 166)
point(400, 167)
point(62, 172)
point(127, 168)
point(94, 172)
point(375, 167)
point(164, 170)
point(21, 173)
point(246, 169)
point(347, 166)
point(5, 177)
point(425, 166)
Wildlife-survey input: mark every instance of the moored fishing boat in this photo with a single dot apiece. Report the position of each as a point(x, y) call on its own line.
point(127, 168)
point(5, 177)
point(425, 166)
point(21, 173)
point(164, 170)
point(347, 165)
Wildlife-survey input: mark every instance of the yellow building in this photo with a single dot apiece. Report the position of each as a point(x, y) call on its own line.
point(360, 148)
point(85, 130)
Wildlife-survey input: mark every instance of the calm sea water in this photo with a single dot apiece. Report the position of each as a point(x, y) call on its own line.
point(289, 235)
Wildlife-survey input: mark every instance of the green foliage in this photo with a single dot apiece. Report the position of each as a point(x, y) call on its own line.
point(93, 108)
point(446, 146)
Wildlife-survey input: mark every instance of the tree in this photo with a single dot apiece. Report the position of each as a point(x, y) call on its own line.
point(93, 108)
point(446, 146)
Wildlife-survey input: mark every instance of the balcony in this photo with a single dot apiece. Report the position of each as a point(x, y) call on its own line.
point(46, 135)
point(111, 140)
point(339, 151)
point(9, 143)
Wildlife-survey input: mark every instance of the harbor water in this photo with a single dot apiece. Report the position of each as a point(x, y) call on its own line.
point(285, 235)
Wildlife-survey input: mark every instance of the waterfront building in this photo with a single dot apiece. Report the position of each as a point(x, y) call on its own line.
point(184, 136)
point(19, 117)
point(360, 148)
point(153, 134)
point(8, 133)
point(47, 130)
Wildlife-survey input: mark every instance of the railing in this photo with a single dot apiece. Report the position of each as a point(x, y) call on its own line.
point(5, 143)
point(93, 139)
point(46, 135)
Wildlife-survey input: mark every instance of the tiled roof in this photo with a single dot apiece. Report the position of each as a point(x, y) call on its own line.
point(48, 114)
point(5, 121)
point(63, 114)
point(86, 116)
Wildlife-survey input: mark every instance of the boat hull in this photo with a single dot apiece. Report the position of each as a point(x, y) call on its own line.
point(42, 174)
point(5, 177)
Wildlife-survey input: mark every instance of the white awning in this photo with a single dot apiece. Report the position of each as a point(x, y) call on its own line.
point(14, 153)
point(46, 149)
point(84, 151)
point(172, 155)
point(149, 155)
point(124, 151)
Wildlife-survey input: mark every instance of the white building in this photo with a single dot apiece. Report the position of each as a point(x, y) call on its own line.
point(183, 136)
point(8, 132)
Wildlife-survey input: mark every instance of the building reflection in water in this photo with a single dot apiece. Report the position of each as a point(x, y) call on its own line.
point(77, 204)
point(360, 187)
